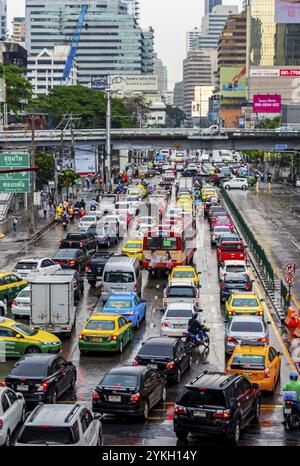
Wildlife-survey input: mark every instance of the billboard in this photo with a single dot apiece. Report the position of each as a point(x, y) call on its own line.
point(233, 81)
point(287, 12)
point(267, 103)
point(99, 82)
point(196, 109)
point(274, 72)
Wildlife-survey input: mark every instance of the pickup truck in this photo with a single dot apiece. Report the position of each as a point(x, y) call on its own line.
point(78, 240)
point(95, 266)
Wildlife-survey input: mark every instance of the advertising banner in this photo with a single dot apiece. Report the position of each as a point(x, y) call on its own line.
point(233, 81)
point(267, 103)
point(99, 82)
point(287, 12)
point(196, 107)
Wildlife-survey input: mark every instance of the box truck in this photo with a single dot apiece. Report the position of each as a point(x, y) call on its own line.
point(52, 304)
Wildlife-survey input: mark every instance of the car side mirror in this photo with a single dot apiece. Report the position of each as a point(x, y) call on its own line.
point(97, 416)
point(18, 336)
point(20, 396)
point(162, 310)
point(269, 322)
point(262, 300)
point(279, 353)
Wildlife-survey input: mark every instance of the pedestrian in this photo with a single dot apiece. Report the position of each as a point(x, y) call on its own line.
point(87, 182)
point(15, 223)
point(45, 208)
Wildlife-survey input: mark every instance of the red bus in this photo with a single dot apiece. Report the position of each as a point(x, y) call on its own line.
point(167, 246)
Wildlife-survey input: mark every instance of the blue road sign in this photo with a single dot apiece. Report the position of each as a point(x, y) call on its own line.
point(281, 146)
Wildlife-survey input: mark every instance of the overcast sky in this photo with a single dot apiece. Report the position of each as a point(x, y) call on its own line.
point(171, 19)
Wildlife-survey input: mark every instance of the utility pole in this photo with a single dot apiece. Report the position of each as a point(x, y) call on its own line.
point(108, 138)
point(32, 184)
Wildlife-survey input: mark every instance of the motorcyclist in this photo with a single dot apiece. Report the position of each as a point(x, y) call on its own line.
point(82, 204)
point(65, 217)
point(195, 328)
point(293, 385)
point(71, 213)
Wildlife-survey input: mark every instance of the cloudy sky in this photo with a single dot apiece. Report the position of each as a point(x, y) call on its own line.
point(170, 20)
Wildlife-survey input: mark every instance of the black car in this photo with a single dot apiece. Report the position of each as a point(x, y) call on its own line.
point(95, 266)
point(189, 172)
point(105, 235)
point(74, 259)
point(232, 282)
point(78, 281)
point(216, 403)
point(78, 240)
point(41, 378)
point(167, 355)
point(129, 390)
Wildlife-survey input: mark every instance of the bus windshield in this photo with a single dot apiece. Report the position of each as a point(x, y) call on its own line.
point(159, 243)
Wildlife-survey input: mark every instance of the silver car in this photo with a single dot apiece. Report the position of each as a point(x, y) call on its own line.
point(178, 291)
point(174, 322)
point(21, 304)
point(240, 328)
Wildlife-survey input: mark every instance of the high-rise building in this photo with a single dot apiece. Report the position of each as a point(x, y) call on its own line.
point(179, 95)
point(12, 53)
point(191, 37)
point(162, 73)
point(111, 40)
point(133, 7)
point(232, 42)
point(3, 20)
point(18, 30)
point(198, 70)
point(212, 26)
point(209, 4)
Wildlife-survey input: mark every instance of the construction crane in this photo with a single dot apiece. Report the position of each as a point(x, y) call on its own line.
point(73, 47)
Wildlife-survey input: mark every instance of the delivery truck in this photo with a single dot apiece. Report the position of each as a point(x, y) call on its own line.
point(52, 304)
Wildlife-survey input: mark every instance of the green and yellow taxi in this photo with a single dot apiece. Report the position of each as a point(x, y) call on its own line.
point(105, 332)
point(17, 339)
point(246, 304)
point(133, 248)
point(185, 272)
point(10, 286)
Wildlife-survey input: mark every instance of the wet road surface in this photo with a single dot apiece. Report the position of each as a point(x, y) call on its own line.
point(158, 430)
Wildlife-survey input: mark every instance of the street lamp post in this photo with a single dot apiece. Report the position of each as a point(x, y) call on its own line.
point(108, 138)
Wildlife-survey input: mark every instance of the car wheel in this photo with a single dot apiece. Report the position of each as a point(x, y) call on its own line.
point(73, 382)
point(236, 433)
point(244, 187)
point(181, 434)
point(227, 187)
point(257, 411)
point(7, 439)
point(121, 347)
point(32, 350)
point(146, 411)
point(164, 394)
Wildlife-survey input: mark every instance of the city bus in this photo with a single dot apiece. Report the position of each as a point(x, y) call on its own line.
point(167, 246)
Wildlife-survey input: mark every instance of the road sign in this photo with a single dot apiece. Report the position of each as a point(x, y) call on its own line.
point(281, 146)
point(290, 279)
point(290, 268)
point(14, 182)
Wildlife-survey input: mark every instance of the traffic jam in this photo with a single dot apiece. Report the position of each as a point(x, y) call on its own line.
point(147, 310)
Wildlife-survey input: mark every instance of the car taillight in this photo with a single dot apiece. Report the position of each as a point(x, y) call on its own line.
point(165, 324)
point(263, 340)
point(135, 287)
point(230, 339)
point(95, 396)
point(112, 338)
point(288, 403)
point(2, 383)
point(260, 313)
point(1, 423)
point(222, 414)
point(179, 410)
point(102, 287)
point(222, 286)
point(82, 337)
point(165, 301)
point(135, 397)
point(71, 262)
point(81, 244)
point(14, 303)
point(88, 269)
point(170, 365)
point(231, 313)
point(44, 386)
point(227, 370)
point(248, 287)
point(267, 372)
point(135, 363)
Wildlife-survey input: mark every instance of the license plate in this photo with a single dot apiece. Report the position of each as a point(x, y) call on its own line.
point(199, 413)
point(287, 411)
point(153, 366)
point(22, 388)
point(96, 339)
point(179, 326)
point(115, 399)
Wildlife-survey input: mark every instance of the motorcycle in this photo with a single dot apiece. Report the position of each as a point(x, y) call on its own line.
point(65, 223)
point(291, 410)
point(194, 341)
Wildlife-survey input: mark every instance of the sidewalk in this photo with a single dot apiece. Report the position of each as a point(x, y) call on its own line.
point(22, 234)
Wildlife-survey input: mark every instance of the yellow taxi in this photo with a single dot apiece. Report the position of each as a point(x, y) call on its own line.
point(184, 202)
point(185, 197)
point(133, 248)
point(17, 339)
point(105, 332)
point(258, 362)
point(246, 304)
point(143, 189)
point(185, 272)
point(207, 186)
point(208, 193)
point(137, 190)
point(10, 286)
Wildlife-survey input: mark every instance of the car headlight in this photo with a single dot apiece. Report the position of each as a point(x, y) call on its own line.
point(50, 342)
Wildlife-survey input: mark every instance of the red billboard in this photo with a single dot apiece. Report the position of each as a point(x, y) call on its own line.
point(267, 103)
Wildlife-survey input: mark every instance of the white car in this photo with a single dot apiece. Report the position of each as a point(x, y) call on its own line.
point(142, 228)
point(174, 322)
point(36, 265)
point(147, 219)
point(212, 130)
point(21, 304)
point(3, 308)
point(233, 267)
point(12, 412)
point(236, 183)
point(87, 221)
point(126, 206)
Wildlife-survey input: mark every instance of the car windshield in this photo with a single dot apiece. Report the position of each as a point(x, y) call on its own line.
point(231, 247)
point(245, 326)
point(183, 274)
point(133, 246)
point(203, 397)
point(28, 331)
point(119, 304)
point(75, 236)
point(88, 219)
point(181, 291)
point(245, 302)
point(27, 369)
point(26, 265)
point(100, 325)
point(235, 268)
point(46, 434)
point(119, 380)
point(179, 313)
point(163, 244)
point(248, 360)
point(62, 254)
point(118, 277)
point(24, 293)
point(150, 349)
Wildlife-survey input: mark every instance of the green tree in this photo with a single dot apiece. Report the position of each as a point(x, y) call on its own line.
point(46, 168)
point(18, 89)
point(67, 179)
point(269, 123)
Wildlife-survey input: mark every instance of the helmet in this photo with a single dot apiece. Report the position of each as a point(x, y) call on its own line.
point(293, 376)
point(195, 315)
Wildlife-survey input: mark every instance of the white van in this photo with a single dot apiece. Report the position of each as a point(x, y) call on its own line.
point(121, 275)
